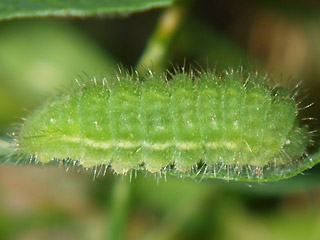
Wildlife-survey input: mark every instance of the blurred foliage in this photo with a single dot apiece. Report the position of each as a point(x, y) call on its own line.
point(40, 57)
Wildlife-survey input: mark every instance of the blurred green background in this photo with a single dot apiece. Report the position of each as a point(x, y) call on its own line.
point(39, 57)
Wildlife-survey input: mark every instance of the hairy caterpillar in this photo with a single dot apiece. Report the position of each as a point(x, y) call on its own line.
point(231, 126)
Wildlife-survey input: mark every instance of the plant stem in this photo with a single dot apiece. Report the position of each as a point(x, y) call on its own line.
point(155, 54)
point(119, 209)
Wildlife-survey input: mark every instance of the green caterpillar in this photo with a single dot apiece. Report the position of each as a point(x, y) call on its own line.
point(231, 126)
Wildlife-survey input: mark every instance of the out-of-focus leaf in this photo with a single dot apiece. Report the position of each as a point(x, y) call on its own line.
point(38, 58)
point(29, 8)
point(291, 9)
point(215, 49)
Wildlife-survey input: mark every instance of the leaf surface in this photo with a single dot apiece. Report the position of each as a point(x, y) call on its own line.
point(10, 9)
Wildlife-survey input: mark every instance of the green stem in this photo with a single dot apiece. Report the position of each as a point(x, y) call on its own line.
point(119, 209)
point(155, 54)
point(175, 219)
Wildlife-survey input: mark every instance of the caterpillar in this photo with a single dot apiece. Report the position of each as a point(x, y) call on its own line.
point(230, 126)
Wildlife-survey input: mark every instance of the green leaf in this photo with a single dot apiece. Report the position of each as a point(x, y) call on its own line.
point(270, 174)
point(10, 9)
